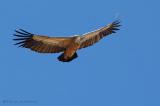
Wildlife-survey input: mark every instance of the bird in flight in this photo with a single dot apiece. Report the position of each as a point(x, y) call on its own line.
point(67, 45)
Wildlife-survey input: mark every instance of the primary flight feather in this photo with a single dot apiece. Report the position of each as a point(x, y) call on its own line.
point(67, 45)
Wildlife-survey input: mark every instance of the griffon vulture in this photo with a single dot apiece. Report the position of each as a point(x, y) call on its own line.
point(67, 45)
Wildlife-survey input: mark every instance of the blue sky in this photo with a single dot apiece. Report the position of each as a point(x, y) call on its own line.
point(121, 70)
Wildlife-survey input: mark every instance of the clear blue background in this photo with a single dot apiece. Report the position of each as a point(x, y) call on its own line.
point(121, 70)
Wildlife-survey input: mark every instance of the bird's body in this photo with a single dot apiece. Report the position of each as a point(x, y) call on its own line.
point(67, 45)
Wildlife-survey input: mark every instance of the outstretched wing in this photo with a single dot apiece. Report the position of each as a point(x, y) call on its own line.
point(41, 44)
point(93, 37)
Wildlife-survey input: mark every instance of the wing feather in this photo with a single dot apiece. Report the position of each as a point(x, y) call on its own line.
point(42, 44)
point(91, 38)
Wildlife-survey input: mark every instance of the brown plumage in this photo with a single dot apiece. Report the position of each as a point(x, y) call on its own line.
point(67, 45)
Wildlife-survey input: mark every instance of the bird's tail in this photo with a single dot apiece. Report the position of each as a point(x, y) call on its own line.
point(61, 57)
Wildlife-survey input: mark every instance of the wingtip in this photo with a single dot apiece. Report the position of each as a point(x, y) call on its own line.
point(116, 23)
point(25, 31)
point(22, 32)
